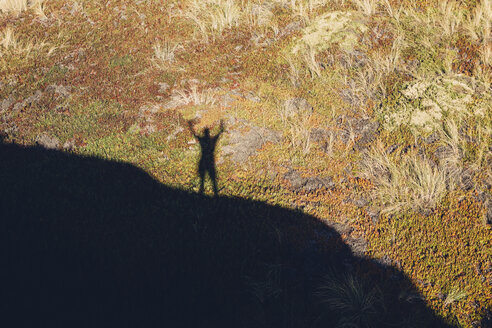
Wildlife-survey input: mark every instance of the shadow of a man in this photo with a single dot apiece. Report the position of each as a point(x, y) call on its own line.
point(207, 159)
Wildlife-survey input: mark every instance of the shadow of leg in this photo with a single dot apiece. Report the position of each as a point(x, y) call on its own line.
point(213, 177)
point(202, 180)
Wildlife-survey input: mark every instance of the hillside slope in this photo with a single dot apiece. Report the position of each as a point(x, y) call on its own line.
point(372, 117)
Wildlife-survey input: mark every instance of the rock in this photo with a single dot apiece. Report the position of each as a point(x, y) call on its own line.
point(351, 96)
point(318, 135)
point(324, 137)
point(252, 97)
point(294, 106)
point(242, 145)
point(365, 131)
point(18, 107)
point(466, 180)
point(33, 99)
point(298, 183)
point(432, 138)
point(290, 28)
point(60, 91)
point(359, 202)
point(47, 142)
point(227, 100)
point(295, 179)
point(6, 103)
point(443, 152)
point(361, 130)
point(315, 183)
point(373, 213)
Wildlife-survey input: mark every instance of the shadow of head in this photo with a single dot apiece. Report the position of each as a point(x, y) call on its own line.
point(89, 242)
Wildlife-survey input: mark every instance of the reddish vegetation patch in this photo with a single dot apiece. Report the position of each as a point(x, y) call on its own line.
point(445, 251)
point(468, 56)
point(381, 36)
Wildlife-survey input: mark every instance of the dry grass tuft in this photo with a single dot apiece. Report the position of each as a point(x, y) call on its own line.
point(479, 27)
point(409, 183)
point(11, 44)
point(367, 7)
point(298, 128)
point(261, 16)
point(13, 6)
point(17, 6)
point(304, 9)
point(466, 153)
point(353, 301)
point(213, 16)
point(454, 296)
point(451, 17)
point(414, 182)
point(164, 54)
point(193, 96)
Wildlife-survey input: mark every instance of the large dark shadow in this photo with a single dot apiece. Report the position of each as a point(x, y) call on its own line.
point(91, 243)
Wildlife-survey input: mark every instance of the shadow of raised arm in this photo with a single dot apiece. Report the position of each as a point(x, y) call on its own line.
point(221, 130)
